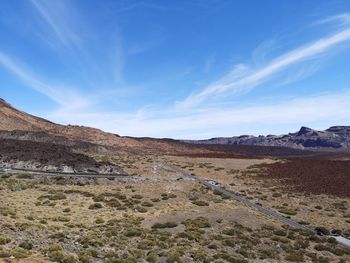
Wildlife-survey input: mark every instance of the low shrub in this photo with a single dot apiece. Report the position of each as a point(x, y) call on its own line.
point(287, 211)
point(322, 230)
point(141, 209)
point(57, 196)
point(200, 203)
point(147, 204)
point(137, 196)
point(4, 239)
point(199, 222)
point(99, 220)
point(63, 219)
point(295, 257)
point(133, 232)
point(26, 245)
point(164, 225)
point(19, 252)
point(96, 206)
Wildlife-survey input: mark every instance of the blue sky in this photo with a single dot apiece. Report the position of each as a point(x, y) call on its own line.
point(182, 69)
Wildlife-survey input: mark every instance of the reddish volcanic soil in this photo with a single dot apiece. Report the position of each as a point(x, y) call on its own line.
point(313, 176)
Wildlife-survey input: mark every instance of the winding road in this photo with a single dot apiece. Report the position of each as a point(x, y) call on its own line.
point(265, 211)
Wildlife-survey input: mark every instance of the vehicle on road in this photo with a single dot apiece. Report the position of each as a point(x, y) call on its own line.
point(212, 182)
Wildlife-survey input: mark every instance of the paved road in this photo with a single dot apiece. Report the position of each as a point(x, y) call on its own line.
point(267, 212)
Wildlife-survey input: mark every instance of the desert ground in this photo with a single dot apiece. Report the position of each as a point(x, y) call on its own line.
point(158, 216)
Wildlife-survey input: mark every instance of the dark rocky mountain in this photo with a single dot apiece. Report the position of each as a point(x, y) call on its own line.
point(336, 137)
point(50, 157)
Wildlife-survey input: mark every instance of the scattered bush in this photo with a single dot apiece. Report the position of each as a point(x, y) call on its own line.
point(141, 209)
point(63, 219)
point(96, 206)
point(322, 230)
point(164, 225)
point(229, 231)
point(4, 239)
point(98, 198)
point(26, 245)
point(171, 195)
point(287, 211)
point(199, 222)
point(264, 254)
point(200, 203)
point(57, 196)
point(133, 232)
point(4, 253)
point(276, 195)
point(24, 176)
point(280, 232)
point(56, 253)
point(147, 204)
point(19, 252)
point(137, 196)
point(295, 257)
point(99, 221)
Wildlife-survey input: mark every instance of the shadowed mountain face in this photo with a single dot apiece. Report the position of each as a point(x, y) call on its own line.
point(335, 137)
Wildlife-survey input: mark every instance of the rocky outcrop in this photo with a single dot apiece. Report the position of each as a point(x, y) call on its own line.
point(335, 137)
point(49, 157)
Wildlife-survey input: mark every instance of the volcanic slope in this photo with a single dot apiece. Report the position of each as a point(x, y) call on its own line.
point(12, 119)
point(18, 125)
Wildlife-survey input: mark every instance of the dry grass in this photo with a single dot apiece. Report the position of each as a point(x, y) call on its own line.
point(56, 220)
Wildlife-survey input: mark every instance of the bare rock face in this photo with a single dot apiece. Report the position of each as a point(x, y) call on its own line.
point(304, 130)
point(336, 137)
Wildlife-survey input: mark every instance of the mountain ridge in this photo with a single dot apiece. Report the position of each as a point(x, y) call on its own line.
point(335, 137)
point(20, 125)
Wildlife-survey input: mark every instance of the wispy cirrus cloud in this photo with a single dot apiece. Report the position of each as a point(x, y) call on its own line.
point(65, 96)
point(209, 62)
point(78, 39)
point(55, 15)
point(320, 111)
point(340, 19)
point(256, 77)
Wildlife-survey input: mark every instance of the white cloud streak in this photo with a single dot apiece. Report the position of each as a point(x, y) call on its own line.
point(341, 19)
point(74, 36)
point(318, 111)
point(260, 75)
point(63, 32)
point(64, 96)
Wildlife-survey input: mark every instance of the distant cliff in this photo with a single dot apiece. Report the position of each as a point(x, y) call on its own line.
point(334, 137)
